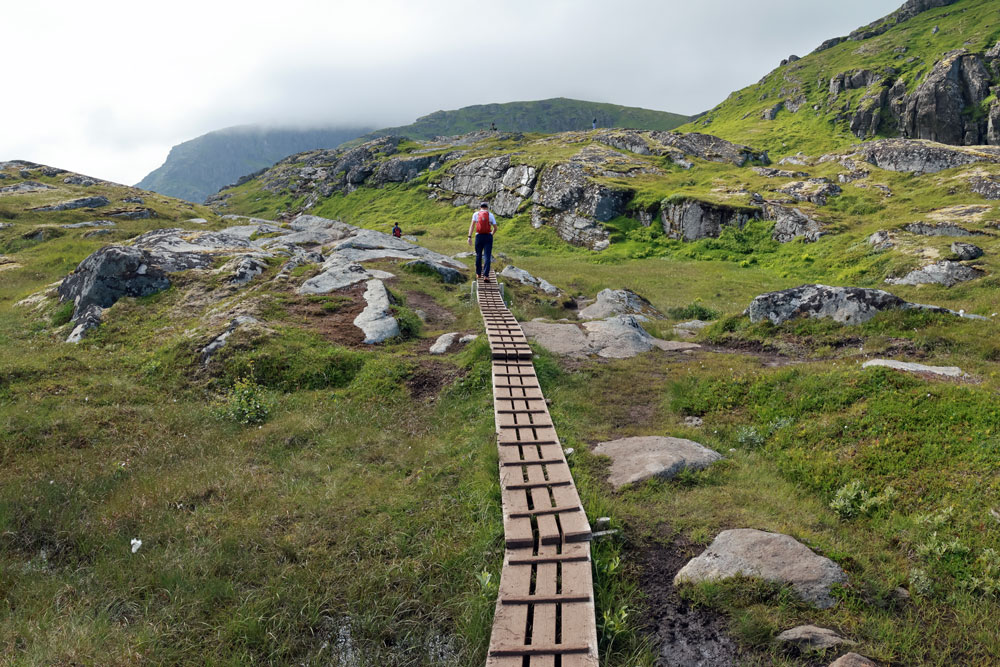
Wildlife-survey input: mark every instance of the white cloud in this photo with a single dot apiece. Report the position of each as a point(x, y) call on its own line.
point(107, 86)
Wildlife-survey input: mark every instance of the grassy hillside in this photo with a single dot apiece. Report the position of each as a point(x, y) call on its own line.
point(196, 169)
point(821, 123)
point(555, 115)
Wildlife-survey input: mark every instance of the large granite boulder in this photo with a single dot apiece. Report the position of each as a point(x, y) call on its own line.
point(645, 457)
point(692, 219)
point(945, 272)
point(611, 302)
point(770, 556)
point(111, 273)
point(847, 305)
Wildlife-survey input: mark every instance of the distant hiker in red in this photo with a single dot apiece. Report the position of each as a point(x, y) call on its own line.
point(396, 231)
point(484, 225)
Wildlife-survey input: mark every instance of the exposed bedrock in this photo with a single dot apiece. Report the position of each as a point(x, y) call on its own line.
point(692, 219)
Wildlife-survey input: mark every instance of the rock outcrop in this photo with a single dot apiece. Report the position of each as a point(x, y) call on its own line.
point(693, 219)
point(376, 320)
point(815, 190)
point(82, 202)
point(770, 556)
point(520, 275)
point(111, 273)
point(847, 305)
point(611, 302)
point(791, 223)
point(966, 251)
point(946, 371)
point(923, 156)
point(617, 337)
point(986, 186)
point(640, 458)
point(946, 272)
point(939, 229)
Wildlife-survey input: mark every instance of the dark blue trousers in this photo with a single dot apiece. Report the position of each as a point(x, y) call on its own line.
point(484, 246)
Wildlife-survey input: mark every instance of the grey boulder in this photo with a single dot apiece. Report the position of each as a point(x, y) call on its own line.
point(618, 302)
point(442, 343)
point(791, 223)
point(111, 273)
point(445, 273)
point(83, 202)
point(945, 272)
point(939, 229)
point(770, 556)
point(640, 458)
point(812, 638)
point(923, 156)
point(520, 275)
point(847, 305)
point(966, 251)
point(87, 319)
point(946, 371)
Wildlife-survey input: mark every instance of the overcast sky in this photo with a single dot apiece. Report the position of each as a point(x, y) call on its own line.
point(106, 87)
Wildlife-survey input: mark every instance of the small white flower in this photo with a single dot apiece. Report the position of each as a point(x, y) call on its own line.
point(136, 543)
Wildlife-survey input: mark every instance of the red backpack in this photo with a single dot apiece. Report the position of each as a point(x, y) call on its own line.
point(483, 222)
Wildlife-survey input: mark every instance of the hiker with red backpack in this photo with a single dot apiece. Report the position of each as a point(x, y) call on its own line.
point(484, 225)
point(397, 231)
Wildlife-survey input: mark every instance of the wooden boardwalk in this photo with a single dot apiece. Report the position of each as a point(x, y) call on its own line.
point(545, 606)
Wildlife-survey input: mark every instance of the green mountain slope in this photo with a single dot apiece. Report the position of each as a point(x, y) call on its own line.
point(555, 115)
point(876, 83)
point(197, 168)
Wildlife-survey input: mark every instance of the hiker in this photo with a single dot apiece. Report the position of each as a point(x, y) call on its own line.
point(396, 231)
point(595, 124)
point(493, 127)
point(484, 225)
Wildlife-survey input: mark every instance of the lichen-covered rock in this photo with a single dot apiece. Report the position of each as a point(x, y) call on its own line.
point(987, 186)
point(881, 240)
point(945, 272)
point(927, 157)
point(770, 556)
point(111, 273)
point(768, 172)
point(966, 251)
point(85, 320)
point(611, 302)
point(791, 223)
point(815, 190)
point(939, 229)
point(82, 202)
point(692, 219)
point(847, 305)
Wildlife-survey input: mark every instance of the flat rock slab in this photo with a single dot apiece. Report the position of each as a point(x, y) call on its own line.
point(376, 320)
point(645, 457)
point(852, 660)
point(947, 371)
point(946, 272)
point(618, 337)
point(770, 556)
point(812, 638)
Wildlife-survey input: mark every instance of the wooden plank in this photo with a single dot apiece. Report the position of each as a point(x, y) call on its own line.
point(575, 526)
point(546, 511)
point(578, 619)
point(544, 626)
point(510, 621)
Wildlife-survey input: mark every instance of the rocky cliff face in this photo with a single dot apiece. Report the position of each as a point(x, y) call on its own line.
point(571, 195)
point(948, 106)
